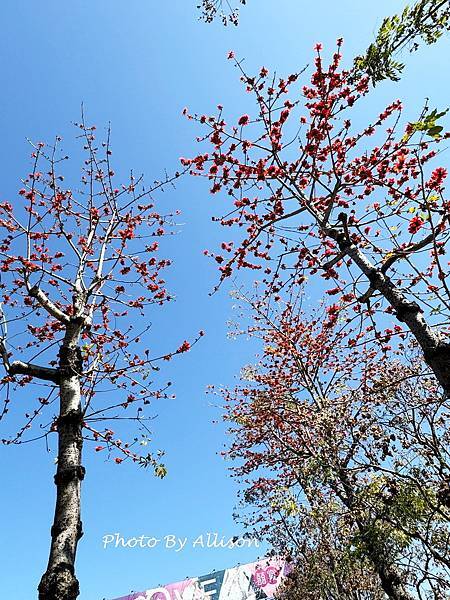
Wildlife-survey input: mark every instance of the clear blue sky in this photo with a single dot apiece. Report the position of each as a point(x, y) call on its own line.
point(137, 63)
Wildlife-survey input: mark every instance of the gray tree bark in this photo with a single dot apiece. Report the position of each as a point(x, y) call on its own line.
point(59, 581)
point(436, 350)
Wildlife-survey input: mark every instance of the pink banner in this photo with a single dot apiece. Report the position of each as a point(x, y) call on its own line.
point(253, 581)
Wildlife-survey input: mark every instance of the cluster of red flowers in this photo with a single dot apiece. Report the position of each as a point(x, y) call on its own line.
point(285, 202)
point(437, 179)
point(415, 224)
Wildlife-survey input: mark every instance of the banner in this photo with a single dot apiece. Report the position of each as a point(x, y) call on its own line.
point(253, 581)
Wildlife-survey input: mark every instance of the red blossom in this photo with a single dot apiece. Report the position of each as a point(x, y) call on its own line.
point(415, 224)
point(437, 178)
point(185, 347)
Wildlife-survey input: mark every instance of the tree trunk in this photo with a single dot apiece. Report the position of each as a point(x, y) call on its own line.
point(435, 347)
point(59, 581)
point(390, 578)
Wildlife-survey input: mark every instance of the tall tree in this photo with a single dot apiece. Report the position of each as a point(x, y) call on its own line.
point(80, 272)
point(343, 456)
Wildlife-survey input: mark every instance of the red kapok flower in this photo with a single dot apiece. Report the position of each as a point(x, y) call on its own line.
point(244, 120)
point(437, 178)
point(415, 224)
point(185, 346)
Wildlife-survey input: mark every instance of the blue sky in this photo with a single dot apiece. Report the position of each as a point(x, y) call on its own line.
point(137, 63)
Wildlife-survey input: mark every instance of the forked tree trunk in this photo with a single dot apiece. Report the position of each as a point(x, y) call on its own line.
point(59, 581)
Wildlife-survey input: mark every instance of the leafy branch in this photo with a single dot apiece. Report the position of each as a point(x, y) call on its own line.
point(426, 21)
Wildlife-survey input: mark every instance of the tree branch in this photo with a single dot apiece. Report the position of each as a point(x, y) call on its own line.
point(45, 302)
point(22, 368)
point(436, 350)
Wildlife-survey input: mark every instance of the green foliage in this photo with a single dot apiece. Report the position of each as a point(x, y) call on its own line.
point(159, 469)
point(425, 21)
point(394, 509)
point(285, 502)
point(428, 124)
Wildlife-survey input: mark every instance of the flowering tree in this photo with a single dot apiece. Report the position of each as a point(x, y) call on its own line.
point(311, 195)
point(332, 419)
point(344, 456)
point(80, 272)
